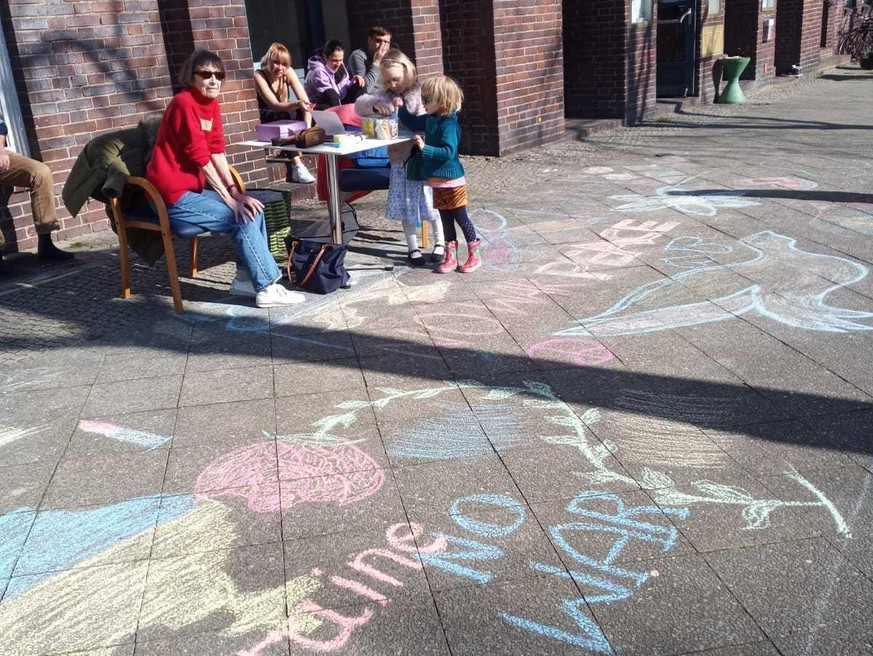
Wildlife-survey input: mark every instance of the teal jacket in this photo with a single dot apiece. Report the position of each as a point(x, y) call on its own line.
point(439, 157)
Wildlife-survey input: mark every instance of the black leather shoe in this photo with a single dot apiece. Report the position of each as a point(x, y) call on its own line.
point(46, 250)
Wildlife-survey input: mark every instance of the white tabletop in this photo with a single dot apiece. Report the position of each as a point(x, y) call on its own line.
point(326, 149)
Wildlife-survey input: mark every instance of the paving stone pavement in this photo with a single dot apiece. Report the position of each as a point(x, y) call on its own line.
point(643, 427)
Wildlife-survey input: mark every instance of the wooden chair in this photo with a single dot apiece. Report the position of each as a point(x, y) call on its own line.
point(157, 222)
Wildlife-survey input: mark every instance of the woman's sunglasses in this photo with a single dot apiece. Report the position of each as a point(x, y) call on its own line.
point(205, 75)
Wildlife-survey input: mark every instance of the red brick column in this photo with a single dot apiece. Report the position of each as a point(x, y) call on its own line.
point(82, 68)
point(529, 74)
point(642, 58)
point(222, 27)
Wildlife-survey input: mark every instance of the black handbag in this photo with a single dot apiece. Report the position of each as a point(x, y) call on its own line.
point(317, 267)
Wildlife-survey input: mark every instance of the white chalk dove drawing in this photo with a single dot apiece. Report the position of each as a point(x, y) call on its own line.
point(780, 282)
point(681, 200)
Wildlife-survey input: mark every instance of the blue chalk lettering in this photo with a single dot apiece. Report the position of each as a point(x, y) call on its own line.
point(617, 592)
point(666, 535)
point(478, 551)
point(591, 636)
point(486, 528)
point(606, 566)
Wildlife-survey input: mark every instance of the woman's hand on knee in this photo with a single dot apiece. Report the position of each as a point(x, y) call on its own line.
point(245, 208)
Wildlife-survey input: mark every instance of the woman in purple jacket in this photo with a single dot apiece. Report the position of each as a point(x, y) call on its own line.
point(328, 82)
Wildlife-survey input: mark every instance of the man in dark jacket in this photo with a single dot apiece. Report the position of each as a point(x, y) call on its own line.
point(19, 171)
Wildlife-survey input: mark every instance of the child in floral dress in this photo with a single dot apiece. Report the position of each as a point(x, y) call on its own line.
point(409, 201)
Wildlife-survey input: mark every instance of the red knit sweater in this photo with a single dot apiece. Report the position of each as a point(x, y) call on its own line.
point(190, 132)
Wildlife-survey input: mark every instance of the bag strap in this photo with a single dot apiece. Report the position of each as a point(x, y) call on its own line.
point(314, 266)
point(289, 269)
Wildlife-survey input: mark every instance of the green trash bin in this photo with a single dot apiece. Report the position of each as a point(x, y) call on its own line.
point(732, 68)
point(277, 217)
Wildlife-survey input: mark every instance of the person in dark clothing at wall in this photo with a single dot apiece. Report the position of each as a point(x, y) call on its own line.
point(19, 171)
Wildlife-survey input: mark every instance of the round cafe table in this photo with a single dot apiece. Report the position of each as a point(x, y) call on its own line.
point(732, 68)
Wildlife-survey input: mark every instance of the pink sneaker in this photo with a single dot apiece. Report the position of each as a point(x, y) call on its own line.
point(474, 260)
point(451, 261)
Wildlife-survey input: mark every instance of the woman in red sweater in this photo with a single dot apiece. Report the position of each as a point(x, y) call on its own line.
point(189, 152)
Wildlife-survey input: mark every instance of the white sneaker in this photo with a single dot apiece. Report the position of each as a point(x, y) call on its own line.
point(301, 175)
point(240, 287)
point(276, 295)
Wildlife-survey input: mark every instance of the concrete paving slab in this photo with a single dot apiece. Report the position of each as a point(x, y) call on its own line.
point(712, 617)
point(534, 614)
point(227, 385)
point(157, 393)
point(803, 576)
point(105, 478)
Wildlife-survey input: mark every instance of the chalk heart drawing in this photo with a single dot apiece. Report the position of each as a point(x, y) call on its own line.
point(681, 200)
point(575, 350)
point(794, 288)
point(309, 474)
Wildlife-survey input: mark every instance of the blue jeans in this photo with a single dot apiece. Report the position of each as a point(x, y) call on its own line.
point(208, 211)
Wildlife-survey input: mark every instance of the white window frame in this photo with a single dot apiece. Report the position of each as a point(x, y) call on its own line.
point(641, 11)
point(16, 140)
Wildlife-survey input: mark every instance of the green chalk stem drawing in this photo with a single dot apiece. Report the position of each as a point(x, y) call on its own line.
point(755, 512)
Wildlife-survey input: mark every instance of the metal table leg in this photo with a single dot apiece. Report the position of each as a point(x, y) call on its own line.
point(333, 200)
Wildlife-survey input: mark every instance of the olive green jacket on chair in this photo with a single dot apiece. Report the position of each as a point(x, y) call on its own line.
point(100, 172)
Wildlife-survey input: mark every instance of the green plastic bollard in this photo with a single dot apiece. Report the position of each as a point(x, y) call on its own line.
point(732, 68)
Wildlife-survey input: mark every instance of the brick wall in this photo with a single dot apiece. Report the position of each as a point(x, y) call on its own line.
point(798, 34)
point(81, 68)
point(595, 47)
point(468, 56)
point(529, 73)
point(87, 67)
point(414, 26)
point(744, 35)
point(708, 68)
point(642, 56)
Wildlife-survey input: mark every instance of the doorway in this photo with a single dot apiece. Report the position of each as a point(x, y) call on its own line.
point(677, 48)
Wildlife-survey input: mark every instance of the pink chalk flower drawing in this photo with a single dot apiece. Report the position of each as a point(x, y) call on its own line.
point(341, 474)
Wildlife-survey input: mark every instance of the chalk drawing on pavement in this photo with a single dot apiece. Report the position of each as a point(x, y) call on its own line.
point(695, 252)
point(148, 441)
point(9, 434)
point(793, 292)
point(681, 200)
point(105, 599)
point(60, 539)
point(307, 474)
point(781, 183)
point(452, 432)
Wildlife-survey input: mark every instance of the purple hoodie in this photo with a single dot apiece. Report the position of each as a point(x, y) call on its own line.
point(319, 78)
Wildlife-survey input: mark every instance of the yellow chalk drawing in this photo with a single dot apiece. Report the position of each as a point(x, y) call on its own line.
point(97, 603)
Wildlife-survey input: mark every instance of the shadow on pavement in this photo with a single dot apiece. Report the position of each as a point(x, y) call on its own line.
point(794, 194)
point(93, 316)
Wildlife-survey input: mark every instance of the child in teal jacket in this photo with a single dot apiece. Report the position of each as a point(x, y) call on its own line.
point(435, 160)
